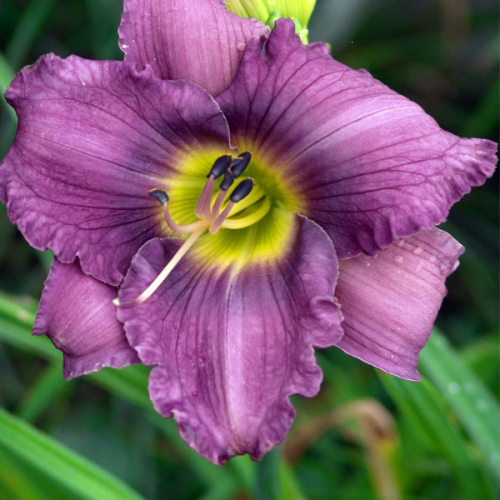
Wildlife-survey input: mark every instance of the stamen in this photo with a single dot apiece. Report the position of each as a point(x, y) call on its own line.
point(252, 198)
point(227, 181)
point(159, 195)
point(202, 208)
point(250, 219)
point(242, 190)
point(162, 197)
point(220, 166)
point(204, 199)
point(184, 228)
point(238, 165)
point(214, 228)
point(221, 196)
point(164, 273)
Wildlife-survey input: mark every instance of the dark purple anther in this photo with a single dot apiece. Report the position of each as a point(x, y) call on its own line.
point(239, 164)
point(220, 166)
point(227, 182)
point(159, 195)
point(242, 190)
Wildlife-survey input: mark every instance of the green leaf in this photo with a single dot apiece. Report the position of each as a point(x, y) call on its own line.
point(16, 321)
point(6, 76)
point(426, 410)
point(27, 29)
point(7, 125)
point(483, 358)
point(131, 383)
point(289, 487)
point(36, 458)
point(274, 479)
point(475, 407)
point(49, 386)
point(483, 120)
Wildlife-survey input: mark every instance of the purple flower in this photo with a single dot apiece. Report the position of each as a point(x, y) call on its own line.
point(294, 210)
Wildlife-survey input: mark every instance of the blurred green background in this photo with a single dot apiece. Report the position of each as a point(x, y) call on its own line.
point(367, 435)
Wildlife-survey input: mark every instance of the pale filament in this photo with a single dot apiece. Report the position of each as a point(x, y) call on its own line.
point(164, 273)
point(222, 216)
point(217, 204)
point(185, 228)
point(204, 199)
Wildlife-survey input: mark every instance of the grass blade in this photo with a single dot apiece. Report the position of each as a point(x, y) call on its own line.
point(6, 76)
point(473, 404)
point(29, 450)
point(27, 30)
point(423, 406)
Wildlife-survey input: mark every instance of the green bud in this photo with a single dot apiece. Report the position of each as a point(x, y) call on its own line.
point(268, 11)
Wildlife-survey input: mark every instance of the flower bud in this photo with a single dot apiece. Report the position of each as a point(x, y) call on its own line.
point(268, 11)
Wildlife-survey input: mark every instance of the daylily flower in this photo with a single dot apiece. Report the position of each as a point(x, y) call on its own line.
point(294, 210)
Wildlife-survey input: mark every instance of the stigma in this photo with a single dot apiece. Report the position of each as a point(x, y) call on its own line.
point(233, 204)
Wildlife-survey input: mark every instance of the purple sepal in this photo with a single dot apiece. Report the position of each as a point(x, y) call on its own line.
point(390, 300)
point(77, 314)
point(199, 41)
point(230, 348)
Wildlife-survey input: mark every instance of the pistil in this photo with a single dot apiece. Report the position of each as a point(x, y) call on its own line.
point(164, 273)
point(163, 198)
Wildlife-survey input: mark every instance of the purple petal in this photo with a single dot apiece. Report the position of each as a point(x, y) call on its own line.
point(94, 137)
point(390, 301)
point(181, 39)
point(369, 165)
point(76, 312)
point(229, 348)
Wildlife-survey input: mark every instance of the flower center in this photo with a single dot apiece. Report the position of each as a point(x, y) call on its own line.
point(216, 211)
point(238, 219)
